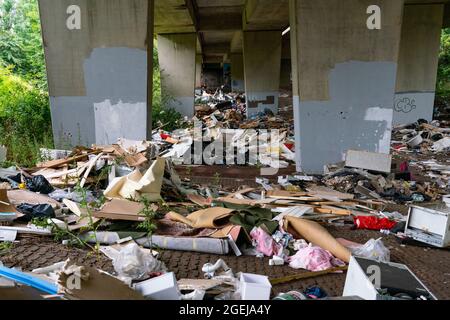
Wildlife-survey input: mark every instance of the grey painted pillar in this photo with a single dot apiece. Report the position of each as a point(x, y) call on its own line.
point(262, 62)
point(97, 69)
point(418, 63)
point(344, 78)
point(237, 72)
point(198, 70)
point(177, 60)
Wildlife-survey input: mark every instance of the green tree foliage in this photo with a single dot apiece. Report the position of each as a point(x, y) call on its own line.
point(25, 121)
point(21, 41)
point(443, 83)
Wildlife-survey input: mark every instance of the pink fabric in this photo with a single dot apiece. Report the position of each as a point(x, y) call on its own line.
point(314, 259)
point(265, 243)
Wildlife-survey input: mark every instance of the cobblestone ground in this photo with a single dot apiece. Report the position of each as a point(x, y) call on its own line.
point(430, 265)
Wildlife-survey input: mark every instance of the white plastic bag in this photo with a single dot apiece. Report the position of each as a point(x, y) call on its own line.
point(133, 264)
point(374, 250)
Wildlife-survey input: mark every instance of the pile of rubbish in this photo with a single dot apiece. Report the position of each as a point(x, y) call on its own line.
point(216, 139)
point(206, 103)
point(230, 111)
point(126, 201)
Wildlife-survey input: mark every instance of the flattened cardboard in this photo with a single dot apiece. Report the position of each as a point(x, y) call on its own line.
point(211, 218)
point(82, 222)
point(98, 286)
point(199, 200)
point(119, 209)
point(198, 284)
point(5, 205)
point(22, 293)
point(18, 197)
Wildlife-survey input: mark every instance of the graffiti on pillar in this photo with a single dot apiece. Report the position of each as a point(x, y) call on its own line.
point(73, 22)
point(374, 20)
point(405, 105)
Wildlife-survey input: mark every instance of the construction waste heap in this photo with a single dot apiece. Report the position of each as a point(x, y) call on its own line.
point(130, 205)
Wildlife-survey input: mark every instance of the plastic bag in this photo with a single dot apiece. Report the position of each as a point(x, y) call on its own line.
point(60, 194)
point(374, 250)
point(314, 258)
point(39, 184)
point(264, 243)
point(39, 211)
point(133, 264)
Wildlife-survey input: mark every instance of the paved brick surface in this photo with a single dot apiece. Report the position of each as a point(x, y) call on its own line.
point(430, 265)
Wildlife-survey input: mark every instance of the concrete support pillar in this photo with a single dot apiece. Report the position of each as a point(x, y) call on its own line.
point(237, 72)
point(177, 60)
point(344, 77)
point(262, 61)
point(98, 69)
point(285, 75)
point(286, 64)
point(418, 63)
point(198, 70)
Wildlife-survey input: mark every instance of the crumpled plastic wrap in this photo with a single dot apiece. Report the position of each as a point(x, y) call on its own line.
point(133, 264)
point(374, 250)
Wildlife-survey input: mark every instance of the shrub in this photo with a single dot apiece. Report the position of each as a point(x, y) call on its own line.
point(25, 122)
point(443, 83)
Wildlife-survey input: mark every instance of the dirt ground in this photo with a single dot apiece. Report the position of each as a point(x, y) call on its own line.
point(430, 265)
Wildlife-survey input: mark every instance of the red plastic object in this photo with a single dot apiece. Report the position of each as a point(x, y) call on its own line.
point(374, 223)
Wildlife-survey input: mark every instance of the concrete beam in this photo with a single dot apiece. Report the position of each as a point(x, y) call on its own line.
point(172, 16)
point(216, 49)
point(262, 59)
point(212, 59)
point(418, 63)
point(220, 18)
point(177, 61)
point(344, 78)
point(266, 15)
point(218, 22)
point(98, 75)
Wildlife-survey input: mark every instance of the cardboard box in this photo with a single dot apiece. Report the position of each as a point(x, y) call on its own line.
point(164, 287)
point(255, 287)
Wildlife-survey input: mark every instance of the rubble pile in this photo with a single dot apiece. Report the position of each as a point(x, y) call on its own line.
point(127, 202)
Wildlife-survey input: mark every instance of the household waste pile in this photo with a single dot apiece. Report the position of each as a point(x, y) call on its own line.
point(126, 201)
point(261, 140)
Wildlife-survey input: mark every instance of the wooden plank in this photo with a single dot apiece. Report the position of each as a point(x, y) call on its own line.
point(331, 210)
point(61, 162)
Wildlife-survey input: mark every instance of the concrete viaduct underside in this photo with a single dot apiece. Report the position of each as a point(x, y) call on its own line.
point(358, 67)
